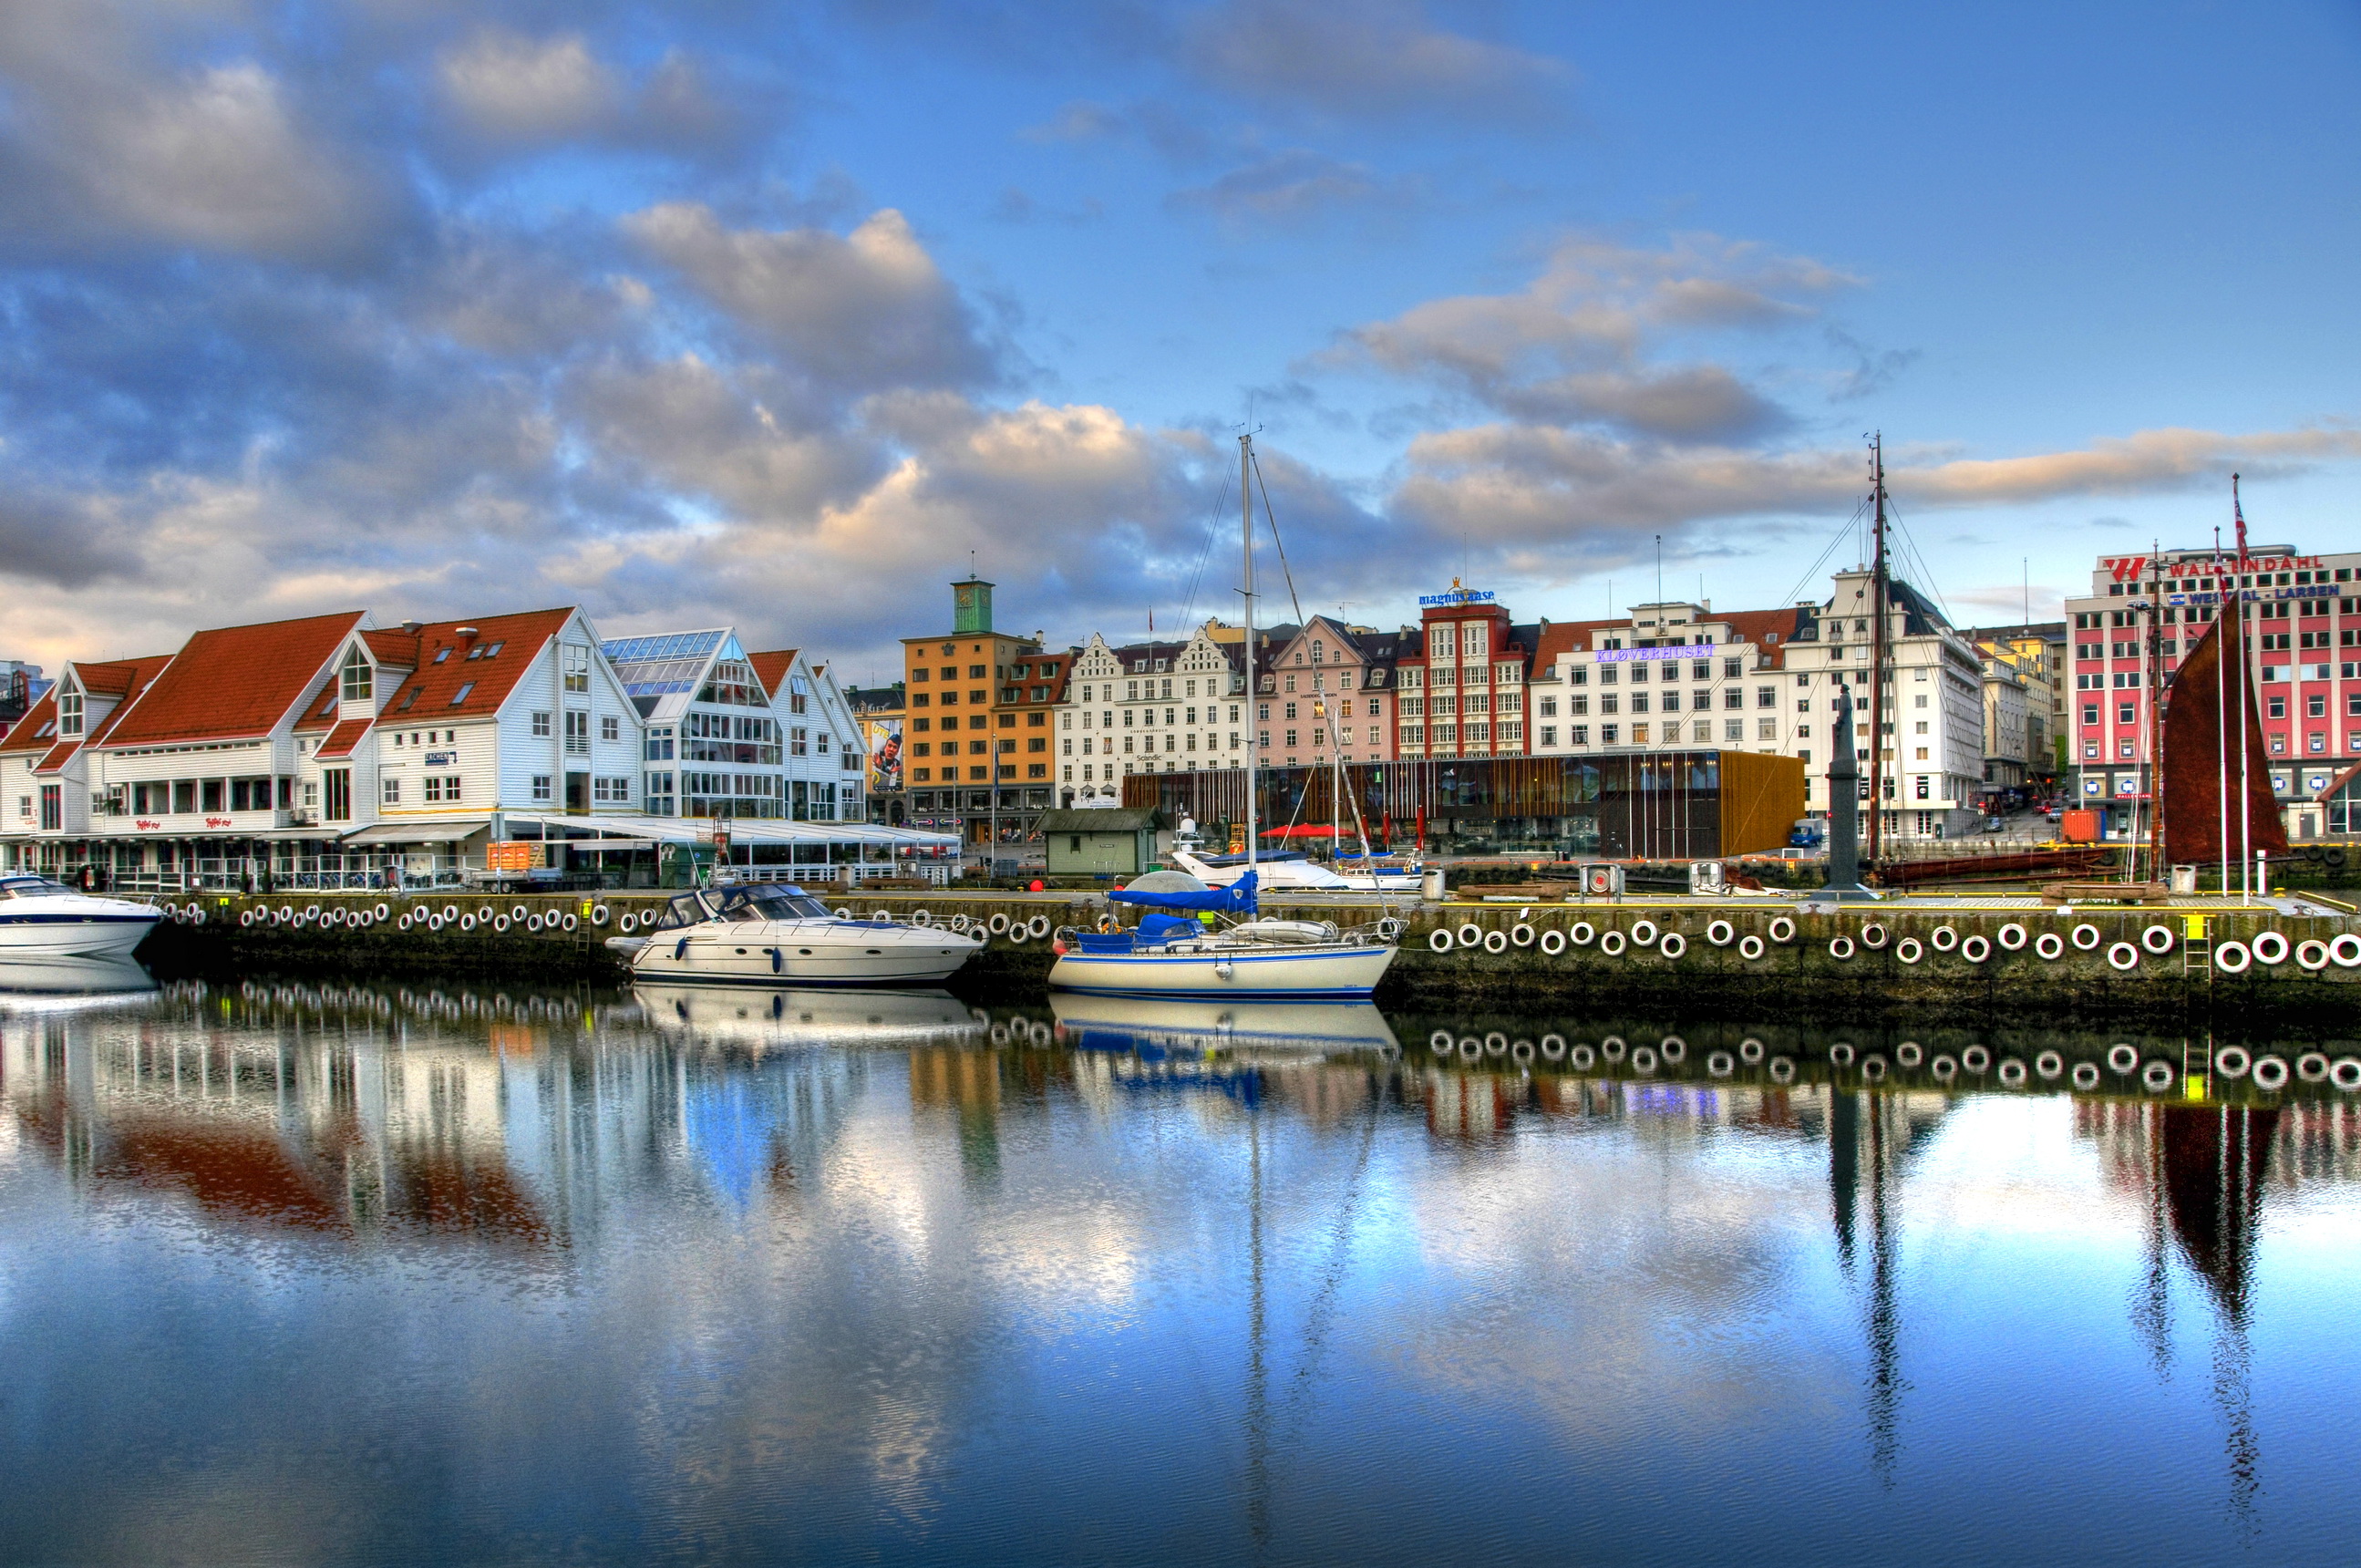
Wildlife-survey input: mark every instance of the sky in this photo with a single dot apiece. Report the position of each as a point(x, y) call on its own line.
point(780, 316)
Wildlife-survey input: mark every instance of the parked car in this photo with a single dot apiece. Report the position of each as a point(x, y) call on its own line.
point(1994, 825)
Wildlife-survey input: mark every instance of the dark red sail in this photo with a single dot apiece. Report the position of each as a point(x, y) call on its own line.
point(2199, 716)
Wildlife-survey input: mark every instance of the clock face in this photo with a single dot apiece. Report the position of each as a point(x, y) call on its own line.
point(967, 595)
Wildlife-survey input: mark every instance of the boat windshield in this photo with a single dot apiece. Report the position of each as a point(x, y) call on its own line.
point(760, 903)
point(32, 887)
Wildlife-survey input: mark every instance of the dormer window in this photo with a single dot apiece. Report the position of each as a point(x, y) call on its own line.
point(493, 651)
point(69, 713)
point(441, 654)
point(360, 680)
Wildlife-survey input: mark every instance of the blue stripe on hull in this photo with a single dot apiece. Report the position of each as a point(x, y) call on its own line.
point(1230, 994)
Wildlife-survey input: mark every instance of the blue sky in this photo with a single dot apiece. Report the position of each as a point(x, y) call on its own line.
point(775, 314)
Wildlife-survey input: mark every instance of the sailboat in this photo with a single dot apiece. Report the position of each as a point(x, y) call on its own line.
point(1181, 948)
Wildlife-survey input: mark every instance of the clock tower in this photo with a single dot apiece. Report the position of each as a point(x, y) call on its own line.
point(972, 606)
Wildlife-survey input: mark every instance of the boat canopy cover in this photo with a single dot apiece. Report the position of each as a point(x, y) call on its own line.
point(1237, 897)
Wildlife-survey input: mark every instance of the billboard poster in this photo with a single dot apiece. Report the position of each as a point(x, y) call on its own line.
point(884, 736)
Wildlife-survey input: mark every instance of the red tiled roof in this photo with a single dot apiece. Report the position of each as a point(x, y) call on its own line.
point(320, 714)
point(123, 679)
point(25, 735)
point(426, 696)
point(397, 649)
point(234, 681)
point(345, 737)
point(772, 668)
point(57, 757)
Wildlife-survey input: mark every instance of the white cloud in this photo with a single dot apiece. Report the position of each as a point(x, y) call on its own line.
point(512, 86)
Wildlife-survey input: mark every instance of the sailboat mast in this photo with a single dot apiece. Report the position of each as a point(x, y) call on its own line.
point(1877, 602)
point(2223, 599)
point(2156, 714)
point(2246, 789)
point(1247, 578)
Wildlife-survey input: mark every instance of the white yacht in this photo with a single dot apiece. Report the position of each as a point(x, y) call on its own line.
point(1290, 871)
point(777, 935)
point(44, 919)
point(790, 1019)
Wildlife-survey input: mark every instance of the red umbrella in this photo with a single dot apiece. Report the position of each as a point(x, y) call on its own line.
point(1300, 830)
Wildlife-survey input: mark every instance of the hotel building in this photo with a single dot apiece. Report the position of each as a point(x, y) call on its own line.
point(976, 745)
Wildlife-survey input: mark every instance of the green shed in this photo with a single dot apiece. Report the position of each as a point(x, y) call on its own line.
point(1111, 841)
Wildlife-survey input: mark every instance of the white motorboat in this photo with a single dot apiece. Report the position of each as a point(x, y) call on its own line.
point(73, 984)
point(44, 919)
point(1288, 871)
point(786, 1019)
point(777, 935)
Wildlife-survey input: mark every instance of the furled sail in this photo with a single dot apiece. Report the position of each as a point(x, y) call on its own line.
point(2209, 694)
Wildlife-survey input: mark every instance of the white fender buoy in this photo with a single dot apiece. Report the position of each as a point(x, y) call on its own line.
point(2270, 1072)
point(2050, 1064)
point(2086, 936)
point(1552, 942)
point(1553, 1046)
point(1721, 933)
point(1721, 1064)
point(2156, 1077)
point(2012, 936)
point(998, 923)
point(1495, 1043)
point(1840, 1054)
point(1943, 938)
point(1751, 948)
point(1439, 940)
point(1581, 934)
point(2311, 954)
point(1470, 934)
point(2122, 956)
point(1037, 927)
point(1671, 944)
point(2346, 1074)
point(2050, 946)
point(1496, 941)
point(1521, 935)
point(2157, 939)
point(1612, 1047)
point(2086, 1076)
point(1976, 1060)
point(2232, 958)
point(1521, 1050)
point(2311, 1067)
point(2345, 951)
point(1872, 1068)
point(1643, 933)
point(1945, 1068)
point(2232, 1061)
point(1910, 1054)
point(1675, 1048)
point(1749, 1050)
point(1782, 1069)
point(1840, 948)
point(1783, 930)
point(1440, 1043)
point(2269, 947)
point(1976, 949)
point(1909, 949)
point(1874, 936)
point(2122, 1059)
point(1643, 1060)
point(1610, 943)
point(1582, 1059)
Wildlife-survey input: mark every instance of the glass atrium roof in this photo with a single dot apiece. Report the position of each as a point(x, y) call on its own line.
point(663, 665)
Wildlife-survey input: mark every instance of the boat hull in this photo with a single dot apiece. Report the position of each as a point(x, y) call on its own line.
point(101, 933)
point(834, 953)
point(1323, 972)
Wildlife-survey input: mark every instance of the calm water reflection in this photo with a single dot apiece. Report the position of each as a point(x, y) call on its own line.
point(384, 1275)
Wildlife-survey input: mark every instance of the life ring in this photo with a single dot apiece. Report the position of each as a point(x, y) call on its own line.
point(311, 912)
point(2086, 936)
point(1874, 936)
point(2311, 1067)
point(1721, 932)
point(569, 921)
point(1521, 1050)
point(1643, 1060)
point(483, 914)
point(1611, 943)
point(1582, 1059)
point(2122, 1059)
point(500, 923)
point(2050, 1064)
point(1840, 948)
point(532, 922)
point(1945, 1068)
point(2050, 946)
point(450, 912)
point(1782, 1069)
point(598, 914)
point(1612, 1047)
point(1672, 945)
point(1751, 948)
point(1942, 939)
point(998, 923)
point(843, 912)
point(1470, 935)
point(1675, 1048)
point(2086, 1076)
point(1643, 933)
point(2232, 1061)
point(1037, 927)
point(2345, 951)
point(1749, 1050)
point(381, 913)
point(2232, 958)
point(1388, 928)
point(1910, 1054)
point(518, 912)
point(627, 922)
point(1977, 949)
point(2157, 939)
point(402, 924)
point(1910, 949)
point(1872, 1068)
point(2270, 1073)
point(1439, 940)
point(434, 922)
point(1440, 1043)
point(2311, 954)
point(1783, 930)
point(1471, 1048)
point(1553, 1046)
point(1496, 941)
point(1521, 935)
point(1721, 1064)
point(2156, 1077)
point(2122, 956)
point(1019, 931)
point(1552, 942)
point(1581, 934)
point(466, 922)
point(921, 917)
point(1976, 1060)
point(2012, 936)
point(2346, 1074)
point(1840, 1054)
point(2269, 947)
point(1496, 1044)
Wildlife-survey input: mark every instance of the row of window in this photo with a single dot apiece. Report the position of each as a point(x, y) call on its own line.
point(983, 774)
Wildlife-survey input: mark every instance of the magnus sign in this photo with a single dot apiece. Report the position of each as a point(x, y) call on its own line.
point(1457, 596)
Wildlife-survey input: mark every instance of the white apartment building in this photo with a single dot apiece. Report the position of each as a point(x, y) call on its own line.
point(1150, 707)
point(736, 735)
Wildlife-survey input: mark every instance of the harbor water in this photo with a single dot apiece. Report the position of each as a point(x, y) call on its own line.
point(355, 1273)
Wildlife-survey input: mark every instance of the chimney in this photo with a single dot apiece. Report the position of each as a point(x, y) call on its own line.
point(412, 628)
point(468, 632)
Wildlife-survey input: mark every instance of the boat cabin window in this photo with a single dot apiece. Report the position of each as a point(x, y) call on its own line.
point(31, 887)
point(686, 910)
point(771, 902)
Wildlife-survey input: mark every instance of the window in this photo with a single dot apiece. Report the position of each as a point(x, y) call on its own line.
point(389, 792)
point(2126, 713)
point(2315, 705)
point(359, 681)
point(610, 728)
point(1733, 697)
point(461, 694)
point(541, 725)
point(1607, 734)
point(611, 791)
point(577, 732)
point(1579, 735)
point(1766, 729)
point(53, 809)
point(2277, 709)
point(339, 783)
point(69, 713)
point(659, 748)
point(2089, 713)
point(576, 665)
point(1733, 730)
point(541, 790)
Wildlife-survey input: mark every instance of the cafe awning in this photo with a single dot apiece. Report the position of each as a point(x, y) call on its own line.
point(425, 830)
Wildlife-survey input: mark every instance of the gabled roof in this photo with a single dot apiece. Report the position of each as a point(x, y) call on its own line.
point(25, 735)
point(394, 650)
point(123, 680)
point(235, 682)
point(448, 684)
point(772, 668)
point(1759, 626)
point(345, 737)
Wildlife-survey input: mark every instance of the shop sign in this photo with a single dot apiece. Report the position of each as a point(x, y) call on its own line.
point(1686, 651)
point(1457, 596)
point(220, 822)
point(144, 824)
point(442, 759)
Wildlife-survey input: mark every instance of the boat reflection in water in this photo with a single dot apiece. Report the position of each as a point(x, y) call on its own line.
point(1291, 1028)
point(788, 1018)
point(53, 985)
